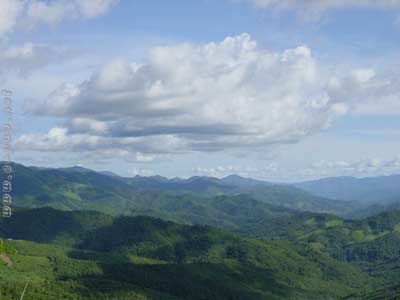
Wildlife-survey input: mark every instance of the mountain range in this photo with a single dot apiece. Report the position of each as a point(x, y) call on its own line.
point(80, 234)
point(80, 188)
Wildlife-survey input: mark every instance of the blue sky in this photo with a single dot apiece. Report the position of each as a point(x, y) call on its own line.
point(278, 90)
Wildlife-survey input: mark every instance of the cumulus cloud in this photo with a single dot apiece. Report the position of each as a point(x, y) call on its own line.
point(314, 8)
point(28, 57)
point(132, 149)
point(370, 92)
point(229, 95)
point(31, 12)
point(207, 97)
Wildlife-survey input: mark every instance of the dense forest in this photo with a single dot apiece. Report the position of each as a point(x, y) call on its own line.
point(78, 234)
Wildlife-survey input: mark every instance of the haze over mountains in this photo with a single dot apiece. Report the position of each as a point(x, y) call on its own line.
point(382, 189)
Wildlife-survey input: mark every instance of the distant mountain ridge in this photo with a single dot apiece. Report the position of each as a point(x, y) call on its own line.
point(81, 188)
point(381, 190)
point(197, 199)
point(369, 190)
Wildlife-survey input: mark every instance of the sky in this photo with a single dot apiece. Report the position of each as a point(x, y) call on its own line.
point(284, 91)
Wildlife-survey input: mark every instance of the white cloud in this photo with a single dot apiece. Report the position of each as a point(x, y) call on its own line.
point(222, 171)
point(9, 11)
point(31, 12)
point(200, 98)
point(362, 75)
point(359, 168)
point(141, 172)
point(325, 4)
point(88, 125)
point(94, 8)
point(273, 171)
point(49, 12)
point(370, 92)
point(212, 97)
point(24, 59)
point(55, 11)
point(314, 8)
point(130, 149)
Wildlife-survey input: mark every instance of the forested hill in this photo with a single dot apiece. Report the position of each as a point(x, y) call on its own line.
point(195, 200)
point(372, 243)
point(89, 255)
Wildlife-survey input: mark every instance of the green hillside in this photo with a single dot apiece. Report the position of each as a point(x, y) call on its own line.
point(79, 234)
point(47, 225)
point(372, 243)
point(391, 292)
point(147, 258)
point(195, 200)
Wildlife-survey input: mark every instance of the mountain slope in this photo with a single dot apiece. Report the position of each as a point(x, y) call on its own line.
point(193, 200)
point(147, 258)
point(47, 225)
point(76, 190)
point(372, 243)
point(329, 229)
point(297, 199)
point(274, 194)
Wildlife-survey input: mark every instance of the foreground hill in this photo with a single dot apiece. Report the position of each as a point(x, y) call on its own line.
point(372, 243)
point(89, 255)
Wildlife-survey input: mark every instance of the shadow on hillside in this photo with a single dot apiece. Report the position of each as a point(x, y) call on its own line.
point(197, 281)
point(45, 225)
